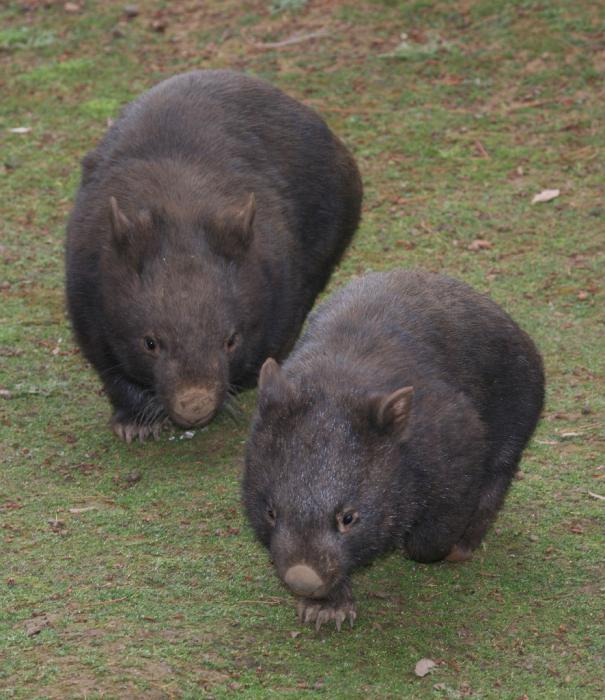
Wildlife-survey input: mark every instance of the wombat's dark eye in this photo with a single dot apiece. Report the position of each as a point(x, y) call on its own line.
point(346, 520)
point(150, 343)
point(271, 517)
point(231, 342)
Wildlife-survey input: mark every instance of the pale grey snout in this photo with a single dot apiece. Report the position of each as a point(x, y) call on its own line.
point(303, 580)
point(194, 406)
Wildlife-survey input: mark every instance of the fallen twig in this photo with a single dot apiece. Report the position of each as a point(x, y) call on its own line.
point(294, 39)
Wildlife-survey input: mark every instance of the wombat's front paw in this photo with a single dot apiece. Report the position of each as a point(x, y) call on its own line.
point(129, 431)
point(322, 611)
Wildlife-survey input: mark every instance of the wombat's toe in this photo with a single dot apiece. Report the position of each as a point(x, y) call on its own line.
point(322, 612)
point(131, 431)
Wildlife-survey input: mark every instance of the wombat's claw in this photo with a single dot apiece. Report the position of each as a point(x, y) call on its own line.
point(131, 431)
point(323, 612)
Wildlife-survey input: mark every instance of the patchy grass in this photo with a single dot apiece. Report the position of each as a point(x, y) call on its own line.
point(135, 562)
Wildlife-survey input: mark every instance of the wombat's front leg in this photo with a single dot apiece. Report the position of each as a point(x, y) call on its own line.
point(137, 411)
point(338, 606)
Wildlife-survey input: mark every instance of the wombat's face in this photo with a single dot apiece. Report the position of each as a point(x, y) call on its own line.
point(175, 323)
point(318, 485)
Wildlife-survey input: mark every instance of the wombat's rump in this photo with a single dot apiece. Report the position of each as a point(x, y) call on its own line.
point(207, 221)
point(397, 422)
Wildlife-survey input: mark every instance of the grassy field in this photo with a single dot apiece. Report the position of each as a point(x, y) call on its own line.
point(128, 571)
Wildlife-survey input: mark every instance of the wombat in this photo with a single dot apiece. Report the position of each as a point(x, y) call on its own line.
point(397, 423)
point(207, 221)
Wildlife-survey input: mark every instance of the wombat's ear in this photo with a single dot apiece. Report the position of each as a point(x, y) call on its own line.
point(232, 235)
point(392, 412)
point(245, 218)
point(132, 239)
point(273, 387)
point(120, 223)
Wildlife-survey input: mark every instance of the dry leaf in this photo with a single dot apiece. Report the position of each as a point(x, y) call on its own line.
point(20, 130)
point(545, 196)
point(423, 667)
point(596, 495)
point(38, 623)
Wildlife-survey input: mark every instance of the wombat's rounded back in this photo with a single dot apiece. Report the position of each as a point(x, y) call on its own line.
point(233, 123)
point(446, 329)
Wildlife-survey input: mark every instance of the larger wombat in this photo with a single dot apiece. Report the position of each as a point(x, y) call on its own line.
point(397, 422)
point(207, 221)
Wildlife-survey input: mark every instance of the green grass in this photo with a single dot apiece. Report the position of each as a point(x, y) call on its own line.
point(156, 588)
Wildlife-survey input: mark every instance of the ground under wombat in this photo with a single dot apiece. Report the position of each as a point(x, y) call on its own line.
point(397, 422)
point(207, 221)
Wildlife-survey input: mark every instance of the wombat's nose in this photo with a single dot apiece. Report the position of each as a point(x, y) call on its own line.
point(194, 406)
point(303, 580)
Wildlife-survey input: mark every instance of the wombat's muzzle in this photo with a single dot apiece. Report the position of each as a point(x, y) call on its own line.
point(305, 581)
point(194, 406)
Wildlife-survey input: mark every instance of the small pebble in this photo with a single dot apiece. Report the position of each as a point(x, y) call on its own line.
point(131, 11)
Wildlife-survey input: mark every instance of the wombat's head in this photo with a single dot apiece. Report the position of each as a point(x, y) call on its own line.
point(320, 478)
point(172, 304)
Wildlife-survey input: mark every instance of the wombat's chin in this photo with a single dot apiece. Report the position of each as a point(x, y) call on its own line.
point(200, 423)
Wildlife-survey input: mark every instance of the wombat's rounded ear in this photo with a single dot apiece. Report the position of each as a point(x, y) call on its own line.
point(232, 234)
point(392, 412)
point(272, 385)
point(132, 240)
point(245, 218)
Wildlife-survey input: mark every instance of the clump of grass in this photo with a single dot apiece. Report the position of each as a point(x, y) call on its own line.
point(278, 6)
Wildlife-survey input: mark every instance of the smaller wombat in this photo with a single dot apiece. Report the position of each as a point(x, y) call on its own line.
point(397, 422)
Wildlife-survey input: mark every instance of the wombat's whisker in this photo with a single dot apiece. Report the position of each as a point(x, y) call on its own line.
point(233, 411)
point(151, 412)
point(106, 371)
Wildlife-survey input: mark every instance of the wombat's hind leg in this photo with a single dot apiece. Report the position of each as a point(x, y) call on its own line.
point(490, 502)
point(459, 553)
point(339, 607)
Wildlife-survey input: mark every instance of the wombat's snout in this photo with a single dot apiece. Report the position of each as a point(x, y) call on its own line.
point(194, 406)
point(303, 580)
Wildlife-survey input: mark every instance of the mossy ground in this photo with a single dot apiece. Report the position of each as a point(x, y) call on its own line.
point(155, 588)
